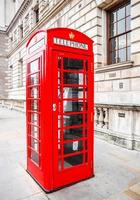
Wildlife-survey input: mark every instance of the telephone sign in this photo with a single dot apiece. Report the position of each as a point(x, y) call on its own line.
point(59, 107)
point(70, 43)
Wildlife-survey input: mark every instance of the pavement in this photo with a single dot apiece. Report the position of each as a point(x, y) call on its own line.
point(117, 170)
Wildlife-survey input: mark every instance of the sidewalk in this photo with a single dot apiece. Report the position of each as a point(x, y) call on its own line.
point(117, 170)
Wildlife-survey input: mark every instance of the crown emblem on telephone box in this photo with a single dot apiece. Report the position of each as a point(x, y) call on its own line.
point(71, 36)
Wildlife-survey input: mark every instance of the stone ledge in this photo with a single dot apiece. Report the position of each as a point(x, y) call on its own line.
point(123, 142)
point(126, 107)
point(13, 104)
point(106, 4)
point(103, 3)
point(114, 67)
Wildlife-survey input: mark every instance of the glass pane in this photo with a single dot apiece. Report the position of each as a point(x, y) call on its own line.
point(114, 57)
point(73, 147)
point(113, 29)
point(34, 67)
point(121, 26)
point(35, 118)
point(74, 92)
point(35, 144)
point(35, 157)
point(73, 160)
point(128, 10)
point(73, 78)
point(113, 17)
point(34, 105)
point(122, 55)
point(34, 92)
point(75, 64)
point(71, 120)
point(34, 79)
point(73, 106)
point(121, 13)
point(73, 133)
point(128, 22)
point(113, 44)
point(35, 131)
point(128, 39)
point(128, 53)
point(122, 41)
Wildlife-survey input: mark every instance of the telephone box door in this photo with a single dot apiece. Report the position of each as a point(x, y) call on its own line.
point(72, 117)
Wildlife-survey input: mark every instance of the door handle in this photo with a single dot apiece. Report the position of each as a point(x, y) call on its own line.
point(54, 107)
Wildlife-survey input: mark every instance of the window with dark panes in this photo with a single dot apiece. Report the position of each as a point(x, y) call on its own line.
point(36, 11)
point(20, 73)
point(21, 31)
point(119, 34)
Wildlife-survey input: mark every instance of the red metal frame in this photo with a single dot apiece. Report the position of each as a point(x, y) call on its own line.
point(53, 160)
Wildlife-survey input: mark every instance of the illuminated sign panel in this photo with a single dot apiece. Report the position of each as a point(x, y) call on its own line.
point(70, 43)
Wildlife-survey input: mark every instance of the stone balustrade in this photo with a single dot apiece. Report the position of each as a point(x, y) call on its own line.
point(13, 104)
point(118, 124)
point(101, 117)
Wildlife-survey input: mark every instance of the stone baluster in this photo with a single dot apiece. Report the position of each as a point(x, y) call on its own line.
point(2, 103)
point(24, 106)
point(11, 106)
point(101, 118)
point(95, 117)
point(106, 118)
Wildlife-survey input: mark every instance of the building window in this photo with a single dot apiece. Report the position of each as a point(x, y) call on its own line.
point(119, 34)
point(26, 23)
point(36, 10)
point(20, 73)
point(10, 76)
point(15, 39)
point(11, 39)
point(45, 2)
point(21, 31)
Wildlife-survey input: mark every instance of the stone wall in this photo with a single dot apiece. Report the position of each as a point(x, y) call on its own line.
point(81, 15)
point(118, 124)
point(3, 64)
point(118, 85)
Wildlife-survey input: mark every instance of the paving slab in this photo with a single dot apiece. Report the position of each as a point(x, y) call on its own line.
point(136, 189)
point(117, 170)
point(119, 196)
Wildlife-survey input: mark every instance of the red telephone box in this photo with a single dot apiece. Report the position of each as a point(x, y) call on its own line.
point(59, 112)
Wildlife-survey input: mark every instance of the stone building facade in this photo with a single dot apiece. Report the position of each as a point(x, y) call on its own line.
point(3, 65)
point(114, 26)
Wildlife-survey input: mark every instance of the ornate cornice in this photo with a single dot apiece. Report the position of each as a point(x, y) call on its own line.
point(114, 67)
point(48, 15)
point(2, 32)
point(105, 4)
point(20, 11)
